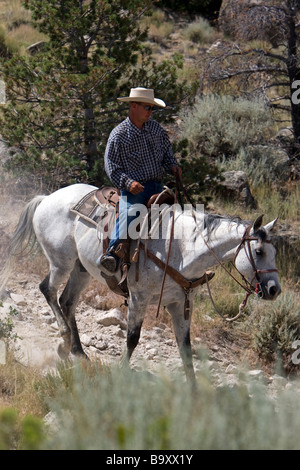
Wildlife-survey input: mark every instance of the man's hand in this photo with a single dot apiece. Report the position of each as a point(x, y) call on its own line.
point(136, 188)
point(176, 171)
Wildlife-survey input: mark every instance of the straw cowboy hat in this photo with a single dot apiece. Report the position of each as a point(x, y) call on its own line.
point(143, 95)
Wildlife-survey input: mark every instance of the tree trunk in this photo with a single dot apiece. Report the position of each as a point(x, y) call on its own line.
point(294, 74)
point(90, 145)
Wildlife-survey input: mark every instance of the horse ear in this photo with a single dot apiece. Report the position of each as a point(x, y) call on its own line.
point(257, 223)
point(270, 225)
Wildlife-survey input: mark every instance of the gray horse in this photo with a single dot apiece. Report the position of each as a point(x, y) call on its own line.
point(72, 247)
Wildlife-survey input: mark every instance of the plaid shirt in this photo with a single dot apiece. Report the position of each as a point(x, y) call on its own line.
point(137, 155)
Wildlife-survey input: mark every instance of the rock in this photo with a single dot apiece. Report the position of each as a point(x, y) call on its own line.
point(36, 47)
point(52, 422)
point(256, 373)
point(4, 294)
point(279, 381)
point(101, 345)
point(236, 187)
point(151, 353)
point(18, 299)
point(112, 317)
point(86, 339)
point(230, 369)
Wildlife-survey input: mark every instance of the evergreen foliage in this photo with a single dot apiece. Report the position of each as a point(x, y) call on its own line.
point(61, 101)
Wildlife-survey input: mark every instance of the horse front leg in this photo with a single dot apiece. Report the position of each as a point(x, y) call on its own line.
point(135, 318)
point(181, 328)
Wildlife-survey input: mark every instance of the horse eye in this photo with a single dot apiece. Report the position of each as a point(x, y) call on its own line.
point(259, 252)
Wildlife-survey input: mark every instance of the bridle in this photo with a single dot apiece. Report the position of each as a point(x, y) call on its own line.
point(245, 243)
point(246, 285)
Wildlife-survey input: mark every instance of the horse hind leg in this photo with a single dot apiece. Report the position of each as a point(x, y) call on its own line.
point(78, 281)
point(50, 293)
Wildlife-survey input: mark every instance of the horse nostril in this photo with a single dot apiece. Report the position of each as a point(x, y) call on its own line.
point(273, 291)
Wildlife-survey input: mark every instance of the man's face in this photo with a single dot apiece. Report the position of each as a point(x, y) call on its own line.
point(141, 112)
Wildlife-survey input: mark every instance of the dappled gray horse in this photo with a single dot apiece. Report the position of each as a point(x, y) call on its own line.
point(72, 247)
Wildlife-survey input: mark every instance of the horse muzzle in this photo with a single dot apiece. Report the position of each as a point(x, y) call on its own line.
point(268, 291)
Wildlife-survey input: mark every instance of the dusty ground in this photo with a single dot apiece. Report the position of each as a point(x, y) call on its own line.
point(37, 331)
point(102, 325)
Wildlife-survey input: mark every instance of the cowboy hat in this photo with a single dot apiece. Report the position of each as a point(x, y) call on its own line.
point(143, 95)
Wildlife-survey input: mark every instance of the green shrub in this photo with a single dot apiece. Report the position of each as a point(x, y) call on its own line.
point(257, 162)
point(200, 31)
point(220, 126)
point(278, 329)
point(7, 325)
point(20, 433)
point(128, 410)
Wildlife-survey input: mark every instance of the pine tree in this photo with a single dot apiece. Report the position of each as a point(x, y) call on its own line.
point(62, 99)
point(265, 60)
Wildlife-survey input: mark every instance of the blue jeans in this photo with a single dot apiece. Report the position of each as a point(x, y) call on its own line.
point(128, 212)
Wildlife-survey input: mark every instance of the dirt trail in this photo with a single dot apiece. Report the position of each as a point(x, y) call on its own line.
point(102, 326)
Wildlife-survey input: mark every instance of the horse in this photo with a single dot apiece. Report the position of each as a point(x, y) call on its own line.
point(72, 246)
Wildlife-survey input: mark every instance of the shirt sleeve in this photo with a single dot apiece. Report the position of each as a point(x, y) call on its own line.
point(113, 166)
point(169, 159)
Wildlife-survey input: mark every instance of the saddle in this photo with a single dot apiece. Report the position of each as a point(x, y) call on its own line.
point(110, 195)
point(108, 198)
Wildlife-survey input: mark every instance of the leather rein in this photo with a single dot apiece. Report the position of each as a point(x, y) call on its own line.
point(189, 285)
point(247, 286)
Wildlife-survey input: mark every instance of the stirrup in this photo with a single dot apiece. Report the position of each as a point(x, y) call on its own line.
point(109, 262)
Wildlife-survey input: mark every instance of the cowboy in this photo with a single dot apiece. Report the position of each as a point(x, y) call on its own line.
point(137, 152)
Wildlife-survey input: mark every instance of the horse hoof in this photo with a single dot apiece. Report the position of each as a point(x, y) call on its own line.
point(79, 354)
point(63, 351)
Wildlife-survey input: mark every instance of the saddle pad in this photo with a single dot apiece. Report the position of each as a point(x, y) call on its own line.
point(86, 207)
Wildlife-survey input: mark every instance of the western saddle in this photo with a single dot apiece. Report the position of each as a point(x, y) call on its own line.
point(110, 196)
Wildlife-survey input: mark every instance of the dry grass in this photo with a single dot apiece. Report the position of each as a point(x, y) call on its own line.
point(18, 386)
point(15, 23)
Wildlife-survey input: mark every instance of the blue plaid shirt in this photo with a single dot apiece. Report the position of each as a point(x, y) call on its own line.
point(137, 155)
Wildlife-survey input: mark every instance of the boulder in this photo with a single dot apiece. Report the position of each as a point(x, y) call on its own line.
point(236, 187)
point(250, 20)
point(112, 317)
point(36, 47)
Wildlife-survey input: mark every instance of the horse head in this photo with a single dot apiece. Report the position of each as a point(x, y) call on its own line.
point(255, 259)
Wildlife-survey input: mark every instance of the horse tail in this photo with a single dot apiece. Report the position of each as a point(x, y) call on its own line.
point(23, 237)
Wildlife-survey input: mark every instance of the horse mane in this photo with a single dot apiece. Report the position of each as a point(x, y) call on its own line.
point(213, 221)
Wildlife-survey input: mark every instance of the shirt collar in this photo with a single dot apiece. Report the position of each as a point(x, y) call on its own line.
point(135, 129)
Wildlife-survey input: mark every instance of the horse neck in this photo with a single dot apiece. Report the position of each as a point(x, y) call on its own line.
point(218, 245)
point(225, 239)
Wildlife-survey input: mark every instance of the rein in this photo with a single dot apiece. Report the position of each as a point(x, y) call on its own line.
point(168, 256)
point(245, 243)
point(188, 285)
